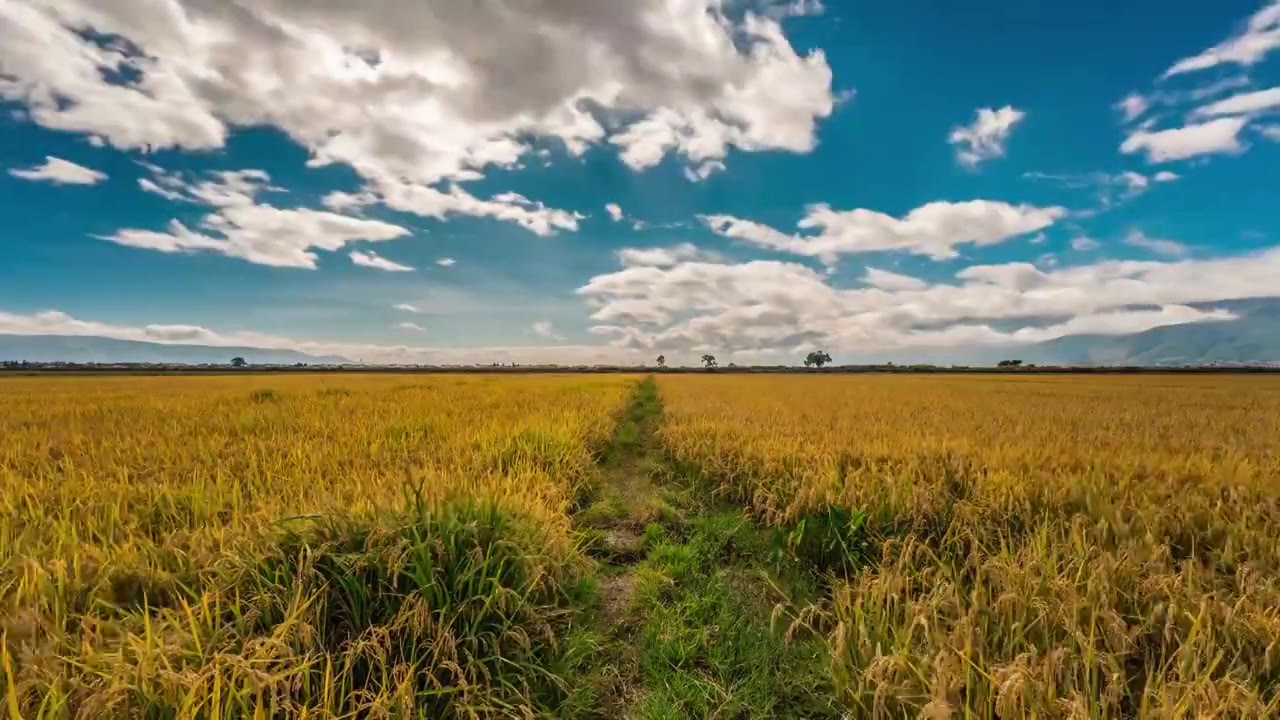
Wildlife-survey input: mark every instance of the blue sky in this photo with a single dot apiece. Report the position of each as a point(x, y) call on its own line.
point(432, 181)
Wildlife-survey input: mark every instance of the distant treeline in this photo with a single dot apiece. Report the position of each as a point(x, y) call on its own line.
point(11, 368)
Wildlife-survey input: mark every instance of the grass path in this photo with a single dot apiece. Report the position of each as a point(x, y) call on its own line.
point(686, 595)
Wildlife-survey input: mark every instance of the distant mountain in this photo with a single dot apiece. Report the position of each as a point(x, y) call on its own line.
point(1253, 337)
point(85, 349)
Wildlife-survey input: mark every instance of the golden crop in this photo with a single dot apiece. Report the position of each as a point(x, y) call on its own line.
point(117, 494)
point(403, 546)
point(1039, 546)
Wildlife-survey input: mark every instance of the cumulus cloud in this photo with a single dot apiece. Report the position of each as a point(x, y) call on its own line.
point(406, 307)
point(1084, 244)
point(778, 306)
point(241, 227)
point(615, 211)
point(263, 235)
point(985, 138)
point(933, 230)
point(418, 96)
point(1243, 104)
point(411, 326)
point(1260, 36)
point(377, 262)
point(59, 172)
point(434, 203)
point(446, 262)
point(1215, 136)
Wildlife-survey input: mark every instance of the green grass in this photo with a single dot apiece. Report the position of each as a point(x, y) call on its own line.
point(705, 641)
point(687, 621)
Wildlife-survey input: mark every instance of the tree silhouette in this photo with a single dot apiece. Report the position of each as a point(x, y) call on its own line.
point(662, 361)
point(709, 361)
point(817, 358)
point(238, 362)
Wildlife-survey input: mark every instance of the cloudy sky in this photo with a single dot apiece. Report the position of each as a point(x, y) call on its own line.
point(587, 180)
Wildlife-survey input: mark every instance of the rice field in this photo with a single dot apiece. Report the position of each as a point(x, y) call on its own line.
point(1028, 546)
point(225, 546)
point(474, 546)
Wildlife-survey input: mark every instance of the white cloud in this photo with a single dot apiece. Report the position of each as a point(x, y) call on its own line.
point(411, 326)
point(663, 256)
point(53, 322)
point(446, 262)
point(985, 139)
point(1135, 105)
point(1112, 188)
point(422, 94)
point(1215, 136)
point(1135, 182)
point(1270, 132)
point(1243, 104)
point(339, 201)
point(239, 226)
point(774, 306)
point(797, 8)
point(703, 171)
point(377, 262)
point(263, 235)
point(59, 171)
point(1132, 106)
point(1084, 244)
point(221, 188)
point(892, 281)
point(150, 186)
point(933, 230)
point(430, 202)
point(1159, 246)
point(615, 211)
point(544, 328)
point(406, 307)
point(1260, 36)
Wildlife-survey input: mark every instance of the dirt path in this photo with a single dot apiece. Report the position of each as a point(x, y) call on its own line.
point(685, 605)
point(626, 502)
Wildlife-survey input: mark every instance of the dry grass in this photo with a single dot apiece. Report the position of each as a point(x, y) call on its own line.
point(1039, 546)
point(305, 545)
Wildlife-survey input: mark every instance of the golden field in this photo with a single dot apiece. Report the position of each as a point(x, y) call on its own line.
point(135, 514)
point(351, 546)
point(1036, 546)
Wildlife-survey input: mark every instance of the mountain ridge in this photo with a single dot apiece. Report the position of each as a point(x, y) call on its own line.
point(97, 349)
point(1253, 337)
